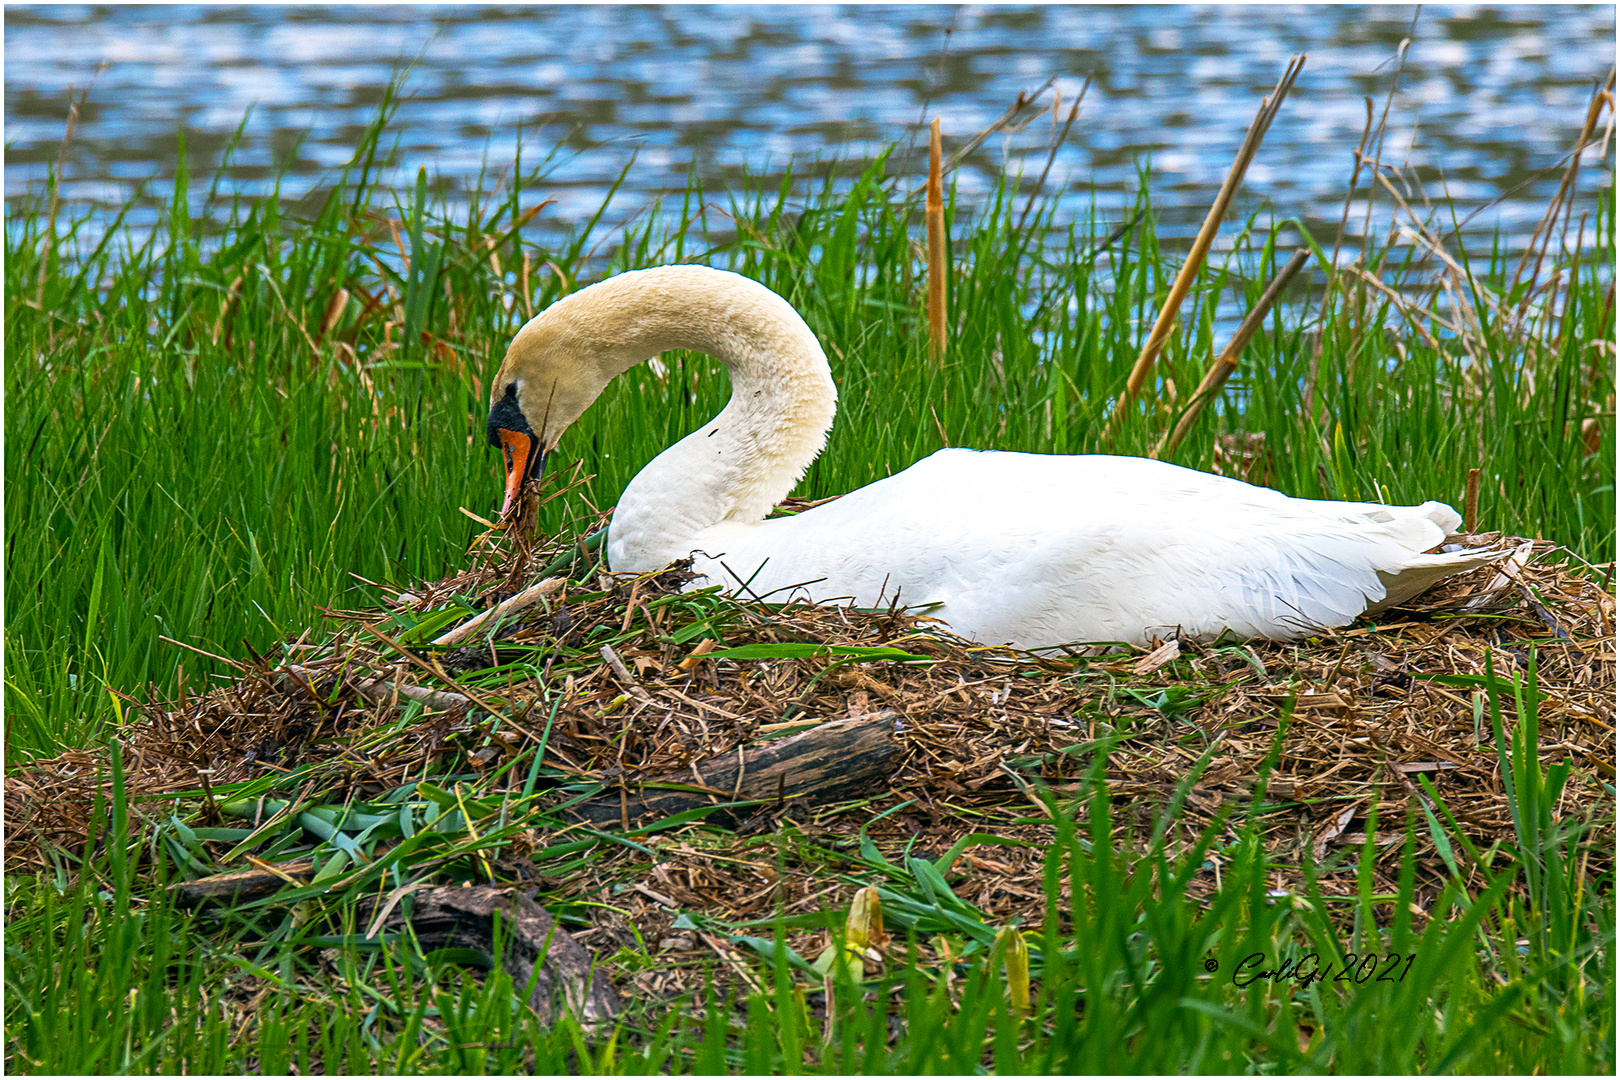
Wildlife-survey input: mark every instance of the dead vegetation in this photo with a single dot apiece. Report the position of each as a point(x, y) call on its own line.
point(624, 685)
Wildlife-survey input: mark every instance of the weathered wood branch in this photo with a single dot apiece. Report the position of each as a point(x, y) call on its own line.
point(840, 759)
point(452, 917)
point(379, 690)
point(528, 597)
point(240, 884)
point(465, 918)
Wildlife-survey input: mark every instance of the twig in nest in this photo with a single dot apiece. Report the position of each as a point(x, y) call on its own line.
point(492, 616)
point(703, 647)
point(1505, 576)
point(383, 692)
point(203, 652)
point(619, 670)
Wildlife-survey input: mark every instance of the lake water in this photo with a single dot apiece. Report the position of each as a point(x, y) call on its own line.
point(1490, 99)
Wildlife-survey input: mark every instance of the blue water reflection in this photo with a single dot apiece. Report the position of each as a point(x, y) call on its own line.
point(1490, 98)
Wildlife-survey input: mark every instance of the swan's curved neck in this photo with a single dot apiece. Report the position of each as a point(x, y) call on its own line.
point(739, 465)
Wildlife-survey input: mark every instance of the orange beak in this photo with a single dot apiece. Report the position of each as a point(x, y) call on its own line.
point(519, 449)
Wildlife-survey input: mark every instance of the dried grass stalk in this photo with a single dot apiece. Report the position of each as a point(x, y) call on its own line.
point(1227, 362)
point(1206, 236)
point(937, 263)
point(1564, 195)
point(528, 597)
point(1471, 501)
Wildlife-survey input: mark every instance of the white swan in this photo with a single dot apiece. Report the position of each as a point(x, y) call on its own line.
point(1029, 549)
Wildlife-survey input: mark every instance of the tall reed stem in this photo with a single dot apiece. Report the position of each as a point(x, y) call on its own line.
point(935, 216)
point(1227, 362)
point(1206, 236)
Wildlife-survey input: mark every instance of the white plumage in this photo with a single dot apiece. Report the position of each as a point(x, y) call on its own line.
point(1030, 549)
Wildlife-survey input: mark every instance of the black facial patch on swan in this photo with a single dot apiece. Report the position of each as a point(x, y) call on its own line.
point(506, 415)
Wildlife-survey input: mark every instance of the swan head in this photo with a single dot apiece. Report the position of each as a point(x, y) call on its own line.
point(564, 357)
point(552, 373)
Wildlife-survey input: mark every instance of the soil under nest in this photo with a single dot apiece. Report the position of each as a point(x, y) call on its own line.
point(979, 730)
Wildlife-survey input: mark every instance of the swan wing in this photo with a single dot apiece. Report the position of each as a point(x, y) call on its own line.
point(1039, 550)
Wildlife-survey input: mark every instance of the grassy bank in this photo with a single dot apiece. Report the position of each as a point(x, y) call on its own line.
point(213, 431)
point(1158, 934)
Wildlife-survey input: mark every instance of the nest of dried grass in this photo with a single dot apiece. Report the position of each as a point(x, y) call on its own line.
point(1364, 713)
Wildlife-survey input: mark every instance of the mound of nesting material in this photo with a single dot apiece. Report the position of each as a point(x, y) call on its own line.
point(687, 679)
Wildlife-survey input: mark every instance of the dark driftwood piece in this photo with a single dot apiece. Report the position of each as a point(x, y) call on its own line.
point(240, 884)
point(452, 917)
point(840, 759)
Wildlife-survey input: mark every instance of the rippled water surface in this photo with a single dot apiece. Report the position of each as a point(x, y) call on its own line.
point(1489, 100)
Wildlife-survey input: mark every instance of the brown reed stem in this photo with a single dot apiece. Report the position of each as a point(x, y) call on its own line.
point(1471, 502)
point(56, 185)
point(1206, 236)
point(1074, 111)
point(334, 311)
point(934, 213)
point(1566, 190)
point(1011, 121)
point(1227, 362)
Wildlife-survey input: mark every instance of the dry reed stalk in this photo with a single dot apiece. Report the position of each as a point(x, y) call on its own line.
point(1007, 122)
point(286, 312)
point(1383, 127)
point(1406, 308)
point(1566, 191)
point(399, 242)
point(1591, 435)
point(56, 184)
point(1206, 236)
point(1603, 319)
point(1569, 292)
point(1471, 502)
point(334, 311)
point(524, 599)
point(1358, 155)
point(203, 652)
point(233, 296)
point(1074, 111)
point(383, 692)
point(703, 648)
point(1227, 362)
point(935, 216)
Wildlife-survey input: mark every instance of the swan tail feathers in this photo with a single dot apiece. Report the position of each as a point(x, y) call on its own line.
point(1424, 571)
point(1442, 515)
point(1437, 513)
